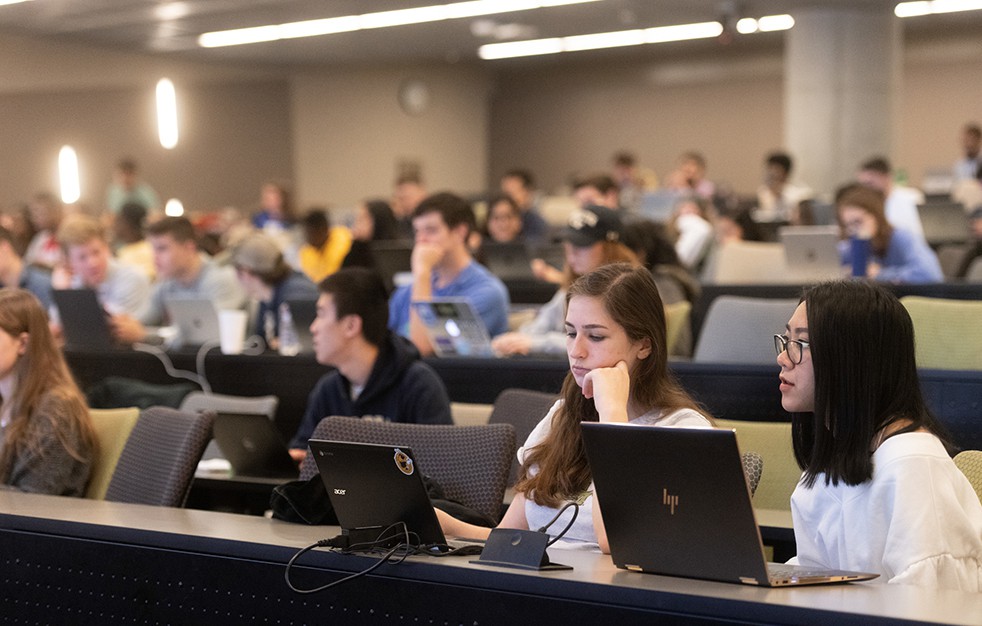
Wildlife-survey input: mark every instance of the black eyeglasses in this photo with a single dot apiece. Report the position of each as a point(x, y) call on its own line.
point(794, 348)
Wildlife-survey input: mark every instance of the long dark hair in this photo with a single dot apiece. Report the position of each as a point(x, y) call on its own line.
point(384, 224)
point(630, 297)
point(862, 350)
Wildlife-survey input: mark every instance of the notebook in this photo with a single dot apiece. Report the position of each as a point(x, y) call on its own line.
point(454, 328)
point(253, 446)
point(675, 502)
point(812, 252)
point(373, 486)
point(303, 313)
point(84, 322)
point(196, 320)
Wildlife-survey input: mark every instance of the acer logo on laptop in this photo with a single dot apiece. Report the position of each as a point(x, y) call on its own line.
point(339, 492)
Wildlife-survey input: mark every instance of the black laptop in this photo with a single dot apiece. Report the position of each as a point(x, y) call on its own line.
point(253, 446)
point(675, 502)
point(374, 486)
point(84, 322)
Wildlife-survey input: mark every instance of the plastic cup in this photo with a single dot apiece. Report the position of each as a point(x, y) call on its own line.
point(232, 328)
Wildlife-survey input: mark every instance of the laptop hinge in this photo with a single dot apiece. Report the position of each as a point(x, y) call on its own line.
point(749, 581)
point(633, 568)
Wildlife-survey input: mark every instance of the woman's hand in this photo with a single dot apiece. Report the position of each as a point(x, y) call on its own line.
point(610, 388)
point(511, 343)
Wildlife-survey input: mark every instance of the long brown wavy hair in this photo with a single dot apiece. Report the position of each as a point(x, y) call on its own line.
point(630, 297)
point(41, 371)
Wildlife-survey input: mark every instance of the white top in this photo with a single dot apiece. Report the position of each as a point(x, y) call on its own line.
point(901, 209)
point(581, 534)
point(917, 522)
point(695, 235)
point(125, 289)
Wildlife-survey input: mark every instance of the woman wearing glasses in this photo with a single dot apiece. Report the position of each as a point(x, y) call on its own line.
point(879, 492)
point(615, 341)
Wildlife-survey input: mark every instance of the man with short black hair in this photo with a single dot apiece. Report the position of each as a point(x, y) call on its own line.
point(901, 202)
point(442, 266)
point(597, 190)
point(379, 373)
point(778, 199)
point(971, 162)
point(519, 185)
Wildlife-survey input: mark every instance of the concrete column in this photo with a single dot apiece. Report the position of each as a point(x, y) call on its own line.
point(841, 86)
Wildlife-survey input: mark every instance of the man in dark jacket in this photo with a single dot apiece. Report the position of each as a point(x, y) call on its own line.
point(379, 374)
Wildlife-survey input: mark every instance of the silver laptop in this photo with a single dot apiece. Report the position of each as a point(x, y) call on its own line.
point(675, 502)
point(812, 252)
point(454, 327)
point(196, 320)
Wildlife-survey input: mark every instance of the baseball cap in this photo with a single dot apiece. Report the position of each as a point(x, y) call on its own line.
point(592, 224)
point(257, 253)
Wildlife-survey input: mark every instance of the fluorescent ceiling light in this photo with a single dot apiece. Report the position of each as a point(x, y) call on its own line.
point(766, 24)
point(3, 2)
point(596, 41)
point(166, 113)
point(68, 178)
point(929, 7)
point(174, 208)
point(380, 19)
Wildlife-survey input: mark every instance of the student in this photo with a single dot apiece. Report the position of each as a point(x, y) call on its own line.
point(615, 329)
point(324, 247)
point(14, 272)
point(378, 374)
point(47, 442)
point(896, 255)
point(374, 221)
point(442, 266)
point(270, 281)
point(182, 272)
point(879, 491)
point(591, 239)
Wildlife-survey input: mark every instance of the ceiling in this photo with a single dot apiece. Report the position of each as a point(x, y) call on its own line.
point(171, 27)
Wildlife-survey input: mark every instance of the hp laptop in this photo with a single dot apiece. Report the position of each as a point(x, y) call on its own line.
point(196, 320)
point(252, 446)
point(454, 328)
point(373, 486)
point(812, 252)
point(675, 502)
point(83, 320)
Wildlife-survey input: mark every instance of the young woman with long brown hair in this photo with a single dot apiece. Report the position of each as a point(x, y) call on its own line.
point(47, 442)
point(615, 341)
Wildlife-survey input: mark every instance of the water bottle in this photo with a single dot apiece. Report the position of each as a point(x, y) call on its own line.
point(860, 249)
point(289, 342)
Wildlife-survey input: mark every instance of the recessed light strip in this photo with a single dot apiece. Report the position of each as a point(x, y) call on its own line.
point(658, 34)
point(930, 7)
point(381, 19)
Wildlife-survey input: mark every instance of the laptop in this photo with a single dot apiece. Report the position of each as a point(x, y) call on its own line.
point(507, 261)
point(196, 320)
point(454, 327)
point(669, 510)
point(303, 313)
point(812, 252)
point(374, 486)
point(84, 322)
point(944, 222)
point(392, 261)
point(253, 446)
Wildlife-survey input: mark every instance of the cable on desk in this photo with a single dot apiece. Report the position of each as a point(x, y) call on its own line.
point(173, 372)
point(576, 511)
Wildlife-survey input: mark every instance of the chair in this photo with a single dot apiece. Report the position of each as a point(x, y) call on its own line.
point(947, 333)
point(748, 263)
point(158, 462)
point(112, 427)
point(523, 409)
point(470, 414)
point(974, 272)
point(470, 463)
point(676, 318)
point(739, 329)
point(753, 467)
point(772, 442)
point(970, 463)
point(950, 257)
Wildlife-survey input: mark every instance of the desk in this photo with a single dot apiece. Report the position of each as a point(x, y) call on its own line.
point(92, 561)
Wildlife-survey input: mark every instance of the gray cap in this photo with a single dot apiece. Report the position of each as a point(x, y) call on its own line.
point(257, 253)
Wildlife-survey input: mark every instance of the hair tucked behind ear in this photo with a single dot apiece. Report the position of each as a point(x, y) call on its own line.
point(629, 295)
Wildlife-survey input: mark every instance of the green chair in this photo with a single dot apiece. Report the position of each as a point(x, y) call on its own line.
point(112, 429)
point(947, 333)
point(970, 463)
point(772, 441)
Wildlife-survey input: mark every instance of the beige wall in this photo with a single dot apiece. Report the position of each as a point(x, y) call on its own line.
point(350, 134)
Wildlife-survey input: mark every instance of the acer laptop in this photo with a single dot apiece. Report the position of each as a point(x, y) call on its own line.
point(84, 322)
point(669, 510)
point(196, 320)
point(253, 446)
point(454, 327)
point(812, 252)
point(374, 486)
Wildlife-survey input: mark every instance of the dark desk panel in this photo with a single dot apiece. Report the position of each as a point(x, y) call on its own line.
point(89, 561)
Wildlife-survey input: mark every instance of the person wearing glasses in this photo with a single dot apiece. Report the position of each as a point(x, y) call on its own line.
point(879, 491)
point(618, 372)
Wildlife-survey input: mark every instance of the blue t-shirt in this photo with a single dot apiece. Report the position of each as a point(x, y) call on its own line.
point(485, 291)
point(908, 259)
